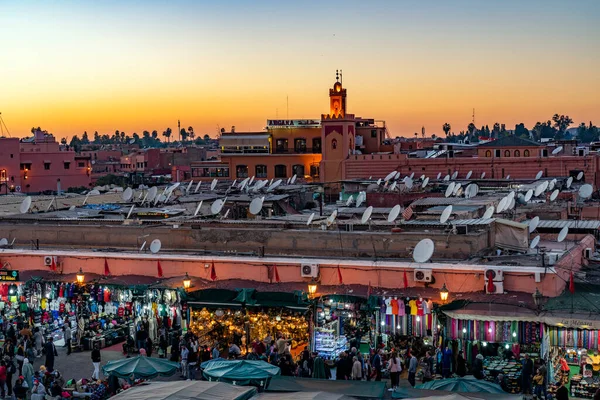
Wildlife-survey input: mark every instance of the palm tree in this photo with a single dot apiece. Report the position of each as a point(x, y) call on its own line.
point(167, 134)
point(191, 133)
point(446, 128)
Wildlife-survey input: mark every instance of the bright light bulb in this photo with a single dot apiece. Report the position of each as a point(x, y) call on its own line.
point(398, 327)
point(490, 330)
point(514, 334)
point(484, 344)
point(382, 323)
point(439, 327)
point(418, 318)
point(578, 352)
point(464, 330)
point(506, 346)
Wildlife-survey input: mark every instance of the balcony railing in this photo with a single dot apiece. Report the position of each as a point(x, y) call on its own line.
point(297, 150)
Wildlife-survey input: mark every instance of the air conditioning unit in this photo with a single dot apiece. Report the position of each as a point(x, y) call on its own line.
point(588, 253)
point(553, 258)
point(422, 275)
point(309, 270)
point(495, 274)
point(48, 260)
point(498, 288)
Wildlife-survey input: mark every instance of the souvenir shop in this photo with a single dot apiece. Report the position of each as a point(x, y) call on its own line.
point(101, 314)
point(406, 316)
point(502, 344)
point(343, 322)
point(574, 358)
point(241, 317)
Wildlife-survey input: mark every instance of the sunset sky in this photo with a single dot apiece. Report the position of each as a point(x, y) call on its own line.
point(71, 66)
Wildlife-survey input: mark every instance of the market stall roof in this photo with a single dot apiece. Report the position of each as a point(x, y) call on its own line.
point(579, 310)
point(140, 367)
point(240, 372)
point(359, 389)
point(463, 385)
point(184, 390)
point(302, 396)
point(51, 276)
point(413, 394)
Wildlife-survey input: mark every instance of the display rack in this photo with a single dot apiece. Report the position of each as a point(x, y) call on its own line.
point(328, 343)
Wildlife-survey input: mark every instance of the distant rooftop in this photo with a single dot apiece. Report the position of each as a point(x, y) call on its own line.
point(510, 141)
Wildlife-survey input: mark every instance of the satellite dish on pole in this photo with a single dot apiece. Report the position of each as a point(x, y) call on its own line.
point(293, 180)
point(539, 175)
point(408, 182)
point(349, 201)
point(585, 191)
point(508, 177)
point(457, 186)
point(130, 211)
point(579, 176)
point(482, 175)
point(274, 185)
point(389, 176)
point(127, 194)
point(423, 251)
point(393, 186)
point(449, 190)
point(394, 213)
point(557, 150)
point(198, 208)
point(447, 178)
point(412, 175)
point(397, 175)
point(533, 224)
point(152, 193)
point(3, 242)
point(489, 212)
point(197, 187)
point(360, 198)
point(539, 189)
point(366, 215)
point(425, 182)
point(545, 185)
point(454, 175)
point(438, 176)
point(25, 205)
point(310, 219)
point(213, 184)
point(446, 214)
point(569, 182)
point(217, 206)
point(502, 205)
point(378, 181)
point(332, 218)
point(469, 175)
point(155, 246)
point(563, 234)
point(528, 195)
point(554, 195)
point(534, 242)
point(256, 205)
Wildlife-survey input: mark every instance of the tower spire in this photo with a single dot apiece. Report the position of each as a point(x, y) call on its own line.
point(337, 75)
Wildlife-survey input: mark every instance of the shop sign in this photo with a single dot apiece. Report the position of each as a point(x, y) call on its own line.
point(572, 323)
point(151, 214)
point(293, 123)
point(8, 275)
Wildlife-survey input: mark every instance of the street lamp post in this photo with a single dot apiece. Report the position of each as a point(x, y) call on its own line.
point(80, 277)
point(537, 298)
point(444, 293)
point(187, 282)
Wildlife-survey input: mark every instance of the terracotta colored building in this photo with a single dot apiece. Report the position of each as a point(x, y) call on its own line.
point(39, 164)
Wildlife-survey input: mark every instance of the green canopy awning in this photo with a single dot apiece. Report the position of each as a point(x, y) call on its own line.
point(184, 390)
point(463, 385)
point(360, 389)
point(240, 372)
point(411, 394)
point(246, 296)
point(140, 367)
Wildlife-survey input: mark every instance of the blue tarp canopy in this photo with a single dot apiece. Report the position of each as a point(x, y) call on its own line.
point(240, 372)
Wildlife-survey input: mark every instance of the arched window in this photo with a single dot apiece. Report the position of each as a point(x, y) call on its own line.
point(241, 171)
point(506, 153)
point(488, 153)
point(517, 153)
point(334, 144)
point(300, 145)
point(526, 153)
point(298, 170)
point(261, 171)
point(280, 171)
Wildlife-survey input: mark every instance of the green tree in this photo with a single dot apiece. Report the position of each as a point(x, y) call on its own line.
point(96, 137)
point(183, 134)
point(167, 133)
point(561, 123)
point(446, 128)
point(84, 138)
point(521, 131)
point(191, 133)
point(63, 141)
point(206, 138)
point(587, 134)
point(154, 134)
point(136, 137)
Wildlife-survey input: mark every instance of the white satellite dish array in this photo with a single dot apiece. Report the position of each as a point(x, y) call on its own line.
point(423, 251)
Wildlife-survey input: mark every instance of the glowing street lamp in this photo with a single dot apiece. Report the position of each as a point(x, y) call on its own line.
point(80, 277)
point(444, 293)
point(312, 289)
point(187, 282)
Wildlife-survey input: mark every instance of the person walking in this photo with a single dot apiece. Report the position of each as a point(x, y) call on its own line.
point(356, 369)
point(538, 385)
point(461, 365)
point(2, 378)
point(10, 370)
point(68, 336)
point(395, 367)
point(184, 361)
point(50, 354)
point(28, 374)
point(478, 367)
point(412, 370)
point(377, 365)
point(38, 341)
point(446, 362)
point(96, 360)
point(527, 374)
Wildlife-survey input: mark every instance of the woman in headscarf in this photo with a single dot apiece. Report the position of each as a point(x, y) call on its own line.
point(28, 372)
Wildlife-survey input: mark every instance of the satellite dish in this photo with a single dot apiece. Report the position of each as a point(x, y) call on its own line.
point(131, 141)
point(366, 215)
point(256, 205)
point(130, 211)
point(217, 206)
point(554, 195)
point(425, 182)
point(454, 175)
point(585, 191)
point(25, 205)
point(310, 219)
point(545, 185)
point(94, 192)
point(482, 175)
point(293, 179)
point(569, 182)
point(457, 186)
point(438, 176)
point(394, 212)
point(511, 195)
point(447, 178)
point(552, 184)
point(288, 181)
point(511, 205)
point(72, 208)
point(349, 201)
point(274, 185)
point(579, 176)
point(360, 198)
point(155, 246)
point(3, 242)
point(423, 251)
point(563, 234)
point(172, 188)
point(528, 195)
point(408, 182)
point(332, 217)
point(489, 212)
point(469, 175)
point(534, 242)
point(397, 175)
point(533, 224)
point(446, 214)
point(378, 181)
point(143, 246)
point(508, 177)
point(412, 175)
point(127, 194)
point(502, 205)
point(422, 177)
point(471, 191)
point(449, 190)
point(393, 186)
point(539, 175)
point(539, 189)
point(389, 176)
point(557, 150)
point(198, 208)
point(152, 193)
point(192, 182)
point(213, 184)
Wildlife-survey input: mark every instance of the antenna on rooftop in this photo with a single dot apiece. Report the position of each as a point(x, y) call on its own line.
point(3, 127)
point(155, 246)
point(423, 251)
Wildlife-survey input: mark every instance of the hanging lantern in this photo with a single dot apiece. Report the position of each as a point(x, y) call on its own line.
point(187, 282)
point(80, 277)
point(444, 293)
point(312, 288)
